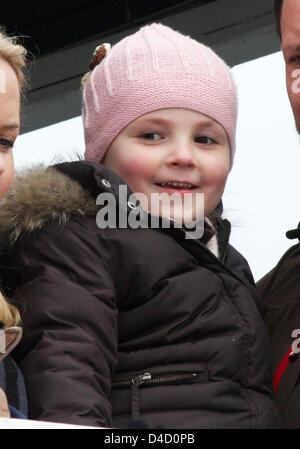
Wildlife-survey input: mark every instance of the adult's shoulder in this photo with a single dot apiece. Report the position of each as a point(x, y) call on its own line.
point(283, 280)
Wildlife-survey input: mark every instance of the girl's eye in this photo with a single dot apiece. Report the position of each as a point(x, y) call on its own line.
point(151, 136)
point(204, 139)
point(5, 143)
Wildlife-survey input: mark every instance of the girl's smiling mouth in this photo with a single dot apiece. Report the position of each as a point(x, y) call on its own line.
point(176, 186)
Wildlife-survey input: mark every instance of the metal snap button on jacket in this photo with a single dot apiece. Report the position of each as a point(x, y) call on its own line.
point(131, 205)
point(106, 183)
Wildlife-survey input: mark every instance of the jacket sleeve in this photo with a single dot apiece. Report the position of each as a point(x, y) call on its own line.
point(60, 278)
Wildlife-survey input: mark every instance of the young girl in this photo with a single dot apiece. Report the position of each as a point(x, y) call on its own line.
point(12, 62)
point(144, 322)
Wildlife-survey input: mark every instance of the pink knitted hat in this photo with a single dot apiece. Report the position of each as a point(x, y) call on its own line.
point(155, 68)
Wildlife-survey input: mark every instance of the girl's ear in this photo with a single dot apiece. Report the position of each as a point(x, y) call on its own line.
point(9, 338)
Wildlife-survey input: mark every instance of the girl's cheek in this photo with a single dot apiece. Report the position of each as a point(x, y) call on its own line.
point(219, 174)
point(222, 171)
point(136, 166)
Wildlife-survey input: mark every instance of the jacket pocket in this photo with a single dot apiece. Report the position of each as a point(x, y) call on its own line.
point(150, 380)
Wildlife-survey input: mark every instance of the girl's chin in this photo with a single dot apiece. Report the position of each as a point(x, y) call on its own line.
point(179, 211)
point(185, 217)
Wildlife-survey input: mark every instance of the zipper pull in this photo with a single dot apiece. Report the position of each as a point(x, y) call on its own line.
point(138, 380)
point(135, 396)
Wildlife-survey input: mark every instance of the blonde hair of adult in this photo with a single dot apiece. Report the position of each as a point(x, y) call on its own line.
point(15, 55)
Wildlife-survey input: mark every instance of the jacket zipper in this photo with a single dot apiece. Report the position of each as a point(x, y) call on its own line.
point(153, 379)
point(150, 379)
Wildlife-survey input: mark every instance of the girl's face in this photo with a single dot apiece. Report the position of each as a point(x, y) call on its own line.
point(9, 122)
point(173, 146)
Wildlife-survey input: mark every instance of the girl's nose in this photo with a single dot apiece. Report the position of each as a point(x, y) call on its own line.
point(181, 155)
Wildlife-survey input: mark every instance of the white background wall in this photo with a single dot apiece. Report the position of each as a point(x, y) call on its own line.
point(262, 194)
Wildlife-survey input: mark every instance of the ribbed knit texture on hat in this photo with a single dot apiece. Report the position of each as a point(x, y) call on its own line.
point(155, 68)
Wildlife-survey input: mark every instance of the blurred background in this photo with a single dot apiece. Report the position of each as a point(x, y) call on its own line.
point(261, 196)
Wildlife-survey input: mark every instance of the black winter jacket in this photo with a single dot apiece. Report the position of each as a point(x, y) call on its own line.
point(129, 323)
point(280, 290)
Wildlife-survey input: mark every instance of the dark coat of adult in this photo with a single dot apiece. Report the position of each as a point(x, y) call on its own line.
point(123, 323)
point(280, 290)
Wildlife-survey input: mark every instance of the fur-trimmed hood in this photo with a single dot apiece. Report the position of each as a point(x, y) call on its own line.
point(38, 195)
